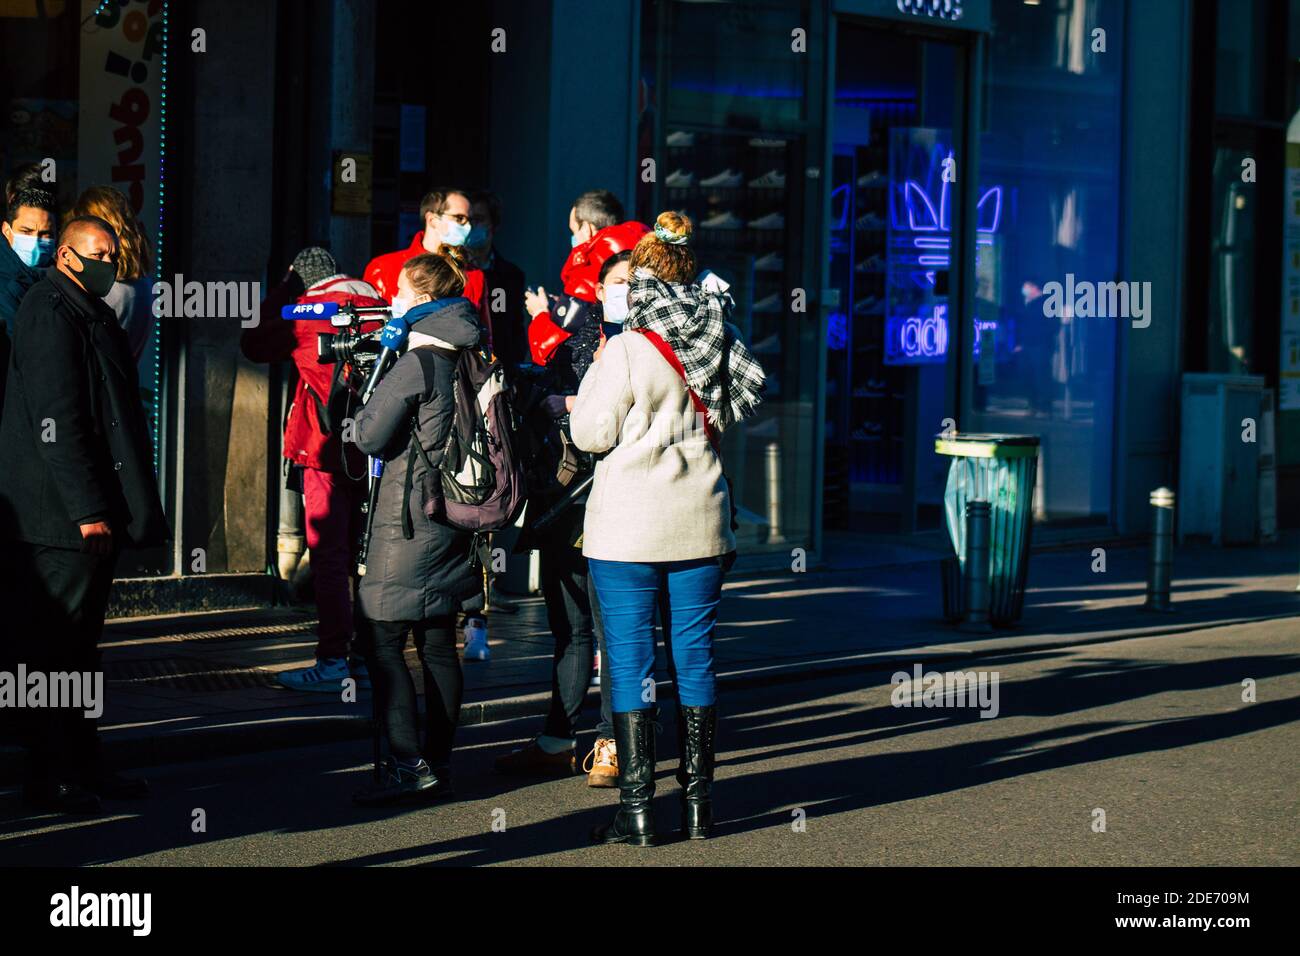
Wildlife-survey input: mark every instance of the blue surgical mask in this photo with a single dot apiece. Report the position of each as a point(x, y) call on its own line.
point(32, 251)
point(573, 241)
point(477, 237)
point(456, 233)
point(616, 303)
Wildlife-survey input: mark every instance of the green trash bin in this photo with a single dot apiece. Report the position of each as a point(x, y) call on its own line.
point(999, 469)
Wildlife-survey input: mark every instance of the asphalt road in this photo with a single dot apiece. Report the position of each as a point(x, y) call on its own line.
point(1153, 732)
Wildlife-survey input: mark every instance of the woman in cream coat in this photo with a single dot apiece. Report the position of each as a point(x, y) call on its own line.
point(658, 528)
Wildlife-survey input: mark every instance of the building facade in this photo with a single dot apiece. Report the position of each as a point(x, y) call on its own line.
point(990, 215)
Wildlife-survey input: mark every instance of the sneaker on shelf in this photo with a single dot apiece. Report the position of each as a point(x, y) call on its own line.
point(759, 142)
point(874, 263)
point(531, 760)
point(869, 221)
point(326, 676)
point(727, 178)
point(772, 179)
point(872, 179)
point(773, 220)
point(772, 262)
point(679, 179)
point(768, 346)
point(868, 306)
point(723, 220)
point(476, 642)
point(681, 138)
point(601, 764)
point(768, 304)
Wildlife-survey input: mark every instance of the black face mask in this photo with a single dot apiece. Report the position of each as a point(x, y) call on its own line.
point(97, 277)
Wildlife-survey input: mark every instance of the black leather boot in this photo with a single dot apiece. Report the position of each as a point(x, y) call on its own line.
point(634, 823)
point(697, 734)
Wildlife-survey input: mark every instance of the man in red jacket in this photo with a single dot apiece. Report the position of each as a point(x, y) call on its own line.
point(597, 233)
point(333, 472)
point(446, 217)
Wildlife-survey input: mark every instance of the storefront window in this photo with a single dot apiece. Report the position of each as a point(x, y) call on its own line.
point(723, 117)
point(1241, 58)
point(894, 190)
point(81, 86)
point(1048, 292)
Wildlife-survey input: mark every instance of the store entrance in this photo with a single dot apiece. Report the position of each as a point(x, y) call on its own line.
point(892, 340)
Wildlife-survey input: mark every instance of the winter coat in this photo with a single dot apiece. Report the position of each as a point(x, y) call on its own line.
point(74, 441)
point(580, 276)
point(382, 273)
point(430, 573)
point(275, 339)
point(659, 493)
point(16, 277)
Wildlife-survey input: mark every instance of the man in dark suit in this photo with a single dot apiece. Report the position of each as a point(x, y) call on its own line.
point(76, 486)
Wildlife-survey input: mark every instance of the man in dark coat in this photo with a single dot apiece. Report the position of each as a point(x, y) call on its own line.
point(76, 486)
point(503, 283)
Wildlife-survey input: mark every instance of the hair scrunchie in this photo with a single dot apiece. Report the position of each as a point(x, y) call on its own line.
point(663, 235)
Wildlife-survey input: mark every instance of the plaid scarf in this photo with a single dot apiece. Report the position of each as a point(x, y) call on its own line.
point(719, 368)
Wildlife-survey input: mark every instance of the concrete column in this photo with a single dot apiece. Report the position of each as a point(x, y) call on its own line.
point(563, 118)
point(1157, 68)
point(227, 209)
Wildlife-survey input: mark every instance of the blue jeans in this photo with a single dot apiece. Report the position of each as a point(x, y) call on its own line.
point(687, 593)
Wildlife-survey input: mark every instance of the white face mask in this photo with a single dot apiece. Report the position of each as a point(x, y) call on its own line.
point(400, 307)
point(616, 303)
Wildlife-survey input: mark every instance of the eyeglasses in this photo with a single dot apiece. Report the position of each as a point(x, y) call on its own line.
point(456, 217)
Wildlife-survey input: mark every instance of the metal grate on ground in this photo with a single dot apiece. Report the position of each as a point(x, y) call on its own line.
point(181, 674)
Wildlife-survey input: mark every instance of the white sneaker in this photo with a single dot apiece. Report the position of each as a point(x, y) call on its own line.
point(772, 262)
point(679, 179)
point(326, 676)
point(681, 138)
point(728, 177)
point(476, 643)
point(773, 220)
point(723, 220)
point(759, 142)
point(769, 303)
point(772, 179)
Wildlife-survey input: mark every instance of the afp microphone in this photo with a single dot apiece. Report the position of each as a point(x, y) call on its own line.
point(391, 340)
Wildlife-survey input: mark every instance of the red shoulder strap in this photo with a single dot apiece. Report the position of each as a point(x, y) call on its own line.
point(671, 358)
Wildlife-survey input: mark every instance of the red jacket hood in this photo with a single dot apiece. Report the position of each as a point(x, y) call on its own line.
point(581, 271)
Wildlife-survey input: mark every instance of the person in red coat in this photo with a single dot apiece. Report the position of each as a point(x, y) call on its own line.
point(598, 233)
point(446, 217)
point(333, 472)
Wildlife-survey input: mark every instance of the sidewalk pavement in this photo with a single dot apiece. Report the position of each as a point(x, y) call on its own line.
point(195, 686)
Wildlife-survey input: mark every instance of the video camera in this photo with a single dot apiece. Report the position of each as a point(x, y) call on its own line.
point(349, 344)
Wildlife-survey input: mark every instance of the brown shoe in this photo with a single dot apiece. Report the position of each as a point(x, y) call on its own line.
point(601, 764)
point(532, 760)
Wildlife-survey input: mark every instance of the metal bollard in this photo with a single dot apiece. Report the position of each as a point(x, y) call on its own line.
point(772, 472)
point(978, 528)
point(1162, 550)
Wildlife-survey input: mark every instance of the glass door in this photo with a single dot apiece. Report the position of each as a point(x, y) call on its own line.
point(895, 205)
